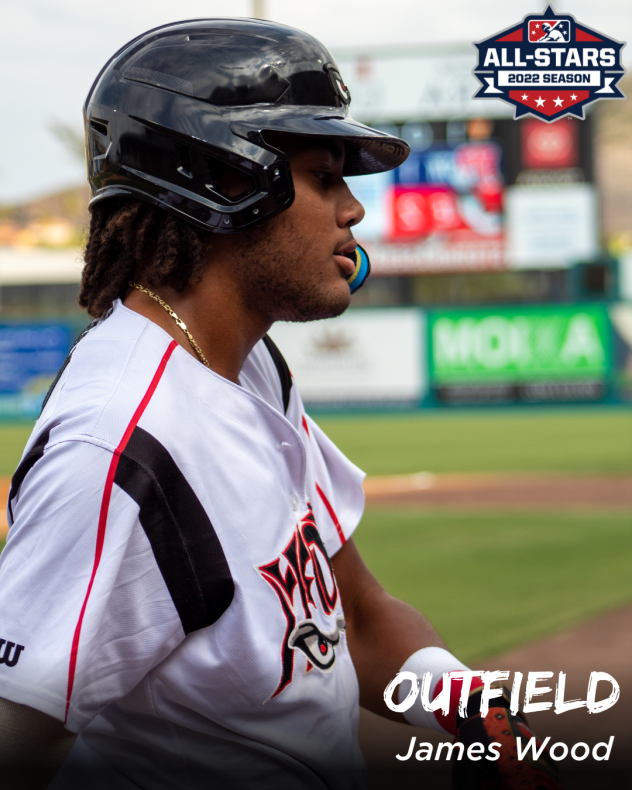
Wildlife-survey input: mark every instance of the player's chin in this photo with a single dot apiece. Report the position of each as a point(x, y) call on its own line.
point(319, 302)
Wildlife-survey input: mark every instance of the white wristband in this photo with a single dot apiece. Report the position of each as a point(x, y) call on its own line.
point(430, 659)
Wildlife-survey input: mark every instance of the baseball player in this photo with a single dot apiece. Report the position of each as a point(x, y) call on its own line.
point(553, 34)
point(183, 605)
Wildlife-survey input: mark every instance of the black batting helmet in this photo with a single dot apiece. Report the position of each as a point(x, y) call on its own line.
point(179, 105)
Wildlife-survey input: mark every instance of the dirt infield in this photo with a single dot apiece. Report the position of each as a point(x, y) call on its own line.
point(603, 644)
point(502, 491)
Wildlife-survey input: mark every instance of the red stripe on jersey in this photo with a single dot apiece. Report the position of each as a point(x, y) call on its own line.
point(103, 515)
point(332, 514)
point(305, 425)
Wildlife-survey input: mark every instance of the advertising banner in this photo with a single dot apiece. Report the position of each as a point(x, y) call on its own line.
point(551, 226)
point(415, 82)
point(363, 357)
point(526, 354)
point(30, 356)
point(544, 146)
point(621, 317)
point(442, 208)
point(449, 190)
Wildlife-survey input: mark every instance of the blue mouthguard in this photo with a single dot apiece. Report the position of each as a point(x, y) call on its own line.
point(361, 271)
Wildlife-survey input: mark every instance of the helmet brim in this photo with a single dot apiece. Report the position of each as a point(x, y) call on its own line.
point(367, 150)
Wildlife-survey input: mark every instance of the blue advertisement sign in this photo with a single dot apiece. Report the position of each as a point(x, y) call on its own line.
point(463, 167)
point(30, 356)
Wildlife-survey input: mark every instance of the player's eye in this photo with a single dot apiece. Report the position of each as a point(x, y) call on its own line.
point(324, 173)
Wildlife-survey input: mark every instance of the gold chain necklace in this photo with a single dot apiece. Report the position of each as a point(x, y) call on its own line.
point(178, 321)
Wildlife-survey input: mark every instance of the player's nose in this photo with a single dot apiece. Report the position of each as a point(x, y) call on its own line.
point(350, 210)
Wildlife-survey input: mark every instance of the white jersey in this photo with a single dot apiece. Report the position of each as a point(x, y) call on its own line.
point(166, 589)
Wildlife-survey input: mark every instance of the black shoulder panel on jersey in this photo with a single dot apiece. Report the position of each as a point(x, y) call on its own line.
point(26, 464)
point(283, 370)
point(186, 548)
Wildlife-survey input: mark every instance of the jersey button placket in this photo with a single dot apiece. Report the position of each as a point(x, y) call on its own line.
point(295, 459)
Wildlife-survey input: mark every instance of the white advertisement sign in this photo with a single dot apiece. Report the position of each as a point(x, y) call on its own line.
point(429, 83)
point(551, 225)
point(363, 356)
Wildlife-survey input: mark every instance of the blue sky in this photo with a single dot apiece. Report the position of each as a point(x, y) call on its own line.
point(51, 50)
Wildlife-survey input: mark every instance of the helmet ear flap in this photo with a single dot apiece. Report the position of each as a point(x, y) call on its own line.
point(185, 169)
point(228, 183)
point(98, 139)
point(224, 186)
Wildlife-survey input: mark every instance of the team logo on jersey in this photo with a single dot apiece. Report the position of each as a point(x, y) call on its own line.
point(304, 582)
point(317, 646)
point(549, 66)
point(6, 657)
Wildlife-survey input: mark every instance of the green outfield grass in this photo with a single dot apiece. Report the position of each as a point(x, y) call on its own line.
point(582, 441)
point(12, 441)
point(490, 581)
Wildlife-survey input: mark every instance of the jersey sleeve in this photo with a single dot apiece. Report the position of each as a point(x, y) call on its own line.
point(85, 609)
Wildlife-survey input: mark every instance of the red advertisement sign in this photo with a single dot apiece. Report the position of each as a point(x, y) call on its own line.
point(449, 192)
point(549, 145)
point(424, 209)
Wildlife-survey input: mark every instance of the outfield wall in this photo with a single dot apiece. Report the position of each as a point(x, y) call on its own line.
point(401, 357)
point(409, 357)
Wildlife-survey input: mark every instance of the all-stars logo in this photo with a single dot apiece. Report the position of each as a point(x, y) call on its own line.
point(549, 66)
point(303, 579)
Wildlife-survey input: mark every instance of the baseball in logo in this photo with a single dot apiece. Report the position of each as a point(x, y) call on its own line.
point(549, 66)
point(303, 579)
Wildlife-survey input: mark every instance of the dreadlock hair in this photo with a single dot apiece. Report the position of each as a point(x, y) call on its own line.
point(129, 239)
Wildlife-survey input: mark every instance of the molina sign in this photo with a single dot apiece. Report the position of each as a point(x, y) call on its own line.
point(524, 354)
